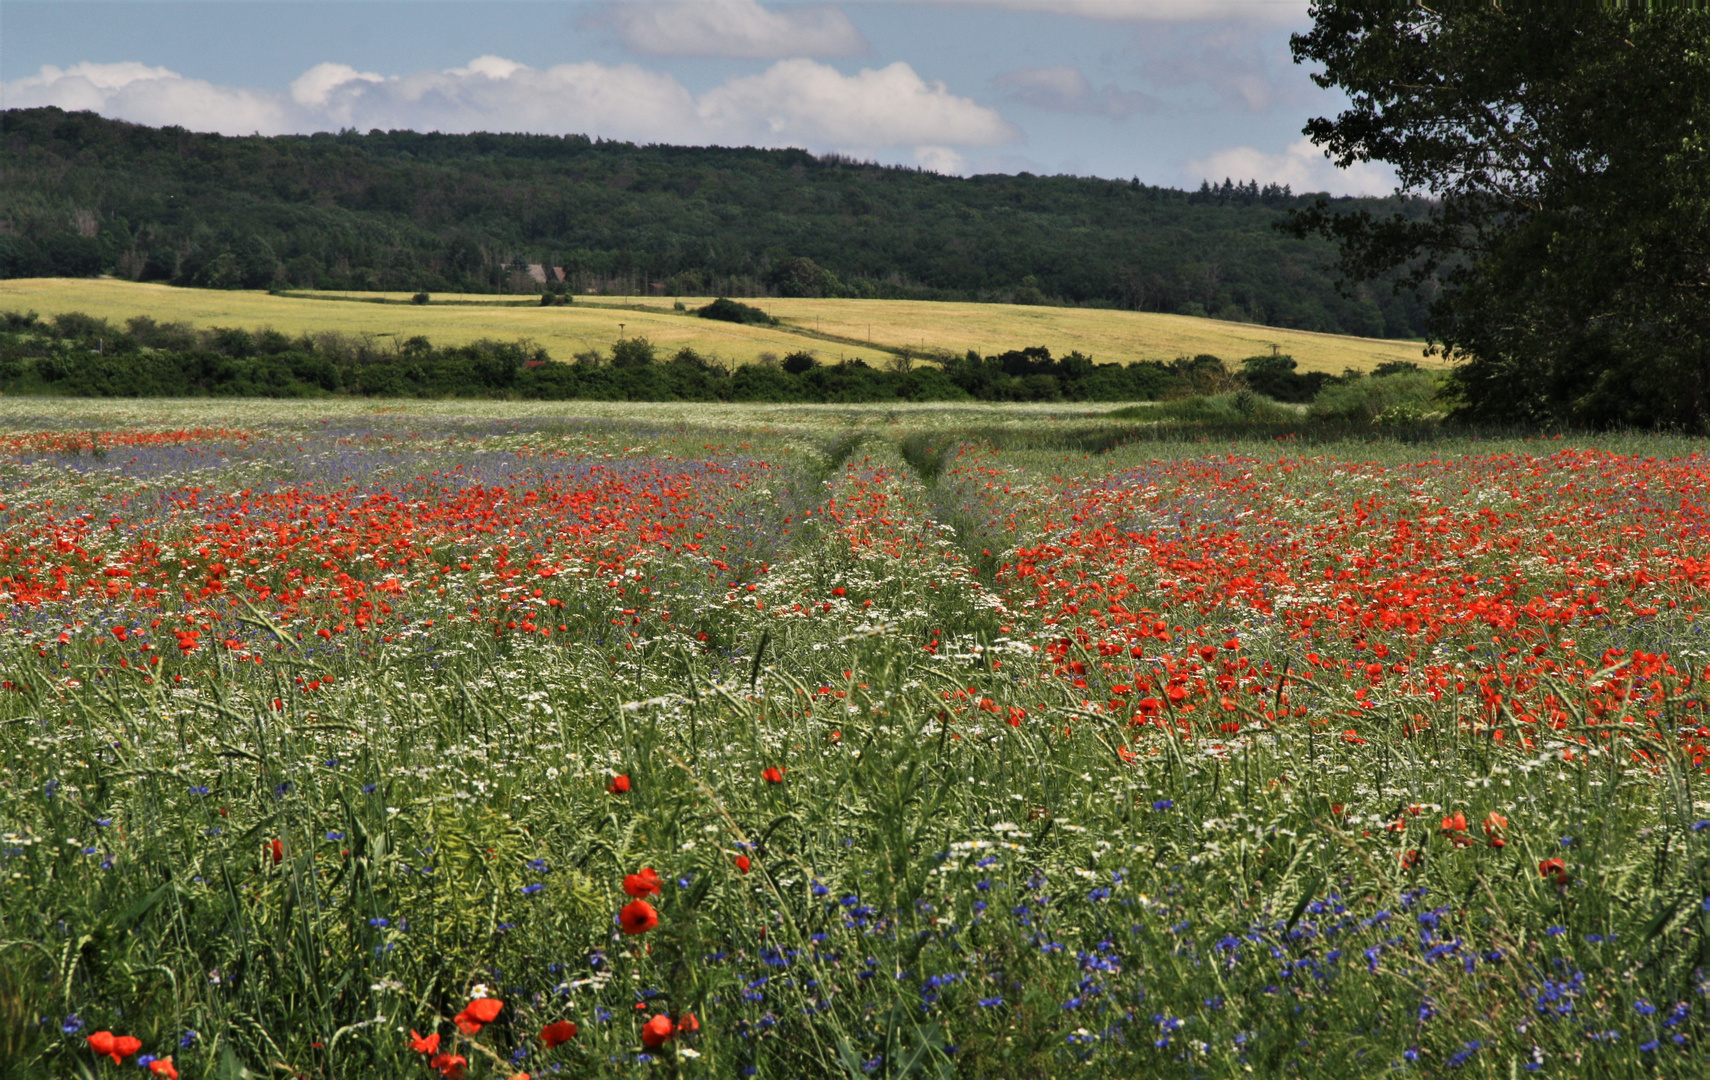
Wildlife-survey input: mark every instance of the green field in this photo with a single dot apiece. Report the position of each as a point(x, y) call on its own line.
point(870, 330)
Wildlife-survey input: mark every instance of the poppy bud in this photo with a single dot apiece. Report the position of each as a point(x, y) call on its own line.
point(657, 1031)
point(557, 1032)
point(638, 917)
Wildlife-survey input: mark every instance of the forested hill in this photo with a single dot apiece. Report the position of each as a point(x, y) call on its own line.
point(83, 195)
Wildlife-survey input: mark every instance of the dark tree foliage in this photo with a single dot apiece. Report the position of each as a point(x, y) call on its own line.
point(725, 309)
point(1568, 151)
point(81, 356)
point(437, 213)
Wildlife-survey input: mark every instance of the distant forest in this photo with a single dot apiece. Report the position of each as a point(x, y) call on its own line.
point(81, 195)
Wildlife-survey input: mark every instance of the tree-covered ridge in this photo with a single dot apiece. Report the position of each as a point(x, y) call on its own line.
point(83, 195)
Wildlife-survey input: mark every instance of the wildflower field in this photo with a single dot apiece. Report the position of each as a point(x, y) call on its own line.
point(487, 740)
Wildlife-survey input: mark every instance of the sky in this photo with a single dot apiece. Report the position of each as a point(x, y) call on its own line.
point(1170, 91)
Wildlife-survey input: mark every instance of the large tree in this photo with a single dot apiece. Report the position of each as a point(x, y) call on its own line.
point(1567, 151)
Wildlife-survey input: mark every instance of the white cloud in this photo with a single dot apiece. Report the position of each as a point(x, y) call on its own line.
point(1273, 11)
point(730, 28)
point(1064, 89)
point(315, 85)
point(148, 95)
point(794, 102)
point(940, 159)
point(1302, 166)
point(801, 101)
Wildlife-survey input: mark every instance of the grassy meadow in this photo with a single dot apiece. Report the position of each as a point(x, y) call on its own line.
point(482, 739)
point(869, 330)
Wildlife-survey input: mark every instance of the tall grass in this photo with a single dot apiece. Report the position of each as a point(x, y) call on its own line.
point(933, 890)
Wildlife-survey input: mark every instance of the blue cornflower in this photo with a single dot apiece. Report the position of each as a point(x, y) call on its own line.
point(530, 890)
point(1649, 1046)
point(1164, 804)
point(368, 789)
point(103, 822)
point(198, 789)
point(335, 835)
point(986, 1003)
point(537, 865)
point(72, 1025)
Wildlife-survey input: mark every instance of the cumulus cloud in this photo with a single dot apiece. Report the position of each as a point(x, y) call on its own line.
point(794, 102)
point(1302, 166)
point(149, 95)
point(801, 101)
point(1064, 89)
point(1273, 11)
point(730, 28)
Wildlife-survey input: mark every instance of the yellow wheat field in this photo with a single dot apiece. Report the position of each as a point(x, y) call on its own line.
point(870, 330)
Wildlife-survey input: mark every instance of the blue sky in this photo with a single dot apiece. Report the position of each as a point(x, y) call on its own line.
point(1171, 91)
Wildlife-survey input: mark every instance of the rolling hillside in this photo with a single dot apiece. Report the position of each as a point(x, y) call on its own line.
point(869, 330)
point(81, 196)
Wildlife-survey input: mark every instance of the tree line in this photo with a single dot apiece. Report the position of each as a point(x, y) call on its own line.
point(405, 211)
point(79, 355)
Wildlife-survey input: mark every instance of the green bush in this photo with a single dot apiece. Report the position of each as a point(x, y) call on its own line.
point(1377, 399)
point(725, 310)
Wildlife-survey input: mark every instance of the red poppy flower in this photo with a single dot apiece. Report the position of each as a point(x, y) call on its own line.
point(429, 1045)
point(277, 846)
point(1554, 870)
point(742, 864)
point(556, 1033)
point(476, 1013)
point(163, 1067)
point(657, 1031)
point(774, 775)
point(688, 1024)
point(450, 1066)
point(638, 917)
point(1494, 825)
point(104, 1045)
point(1410, 859)
point(124, 1046)
point(1455, 828)
point(619, 785)
point(643, 884)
